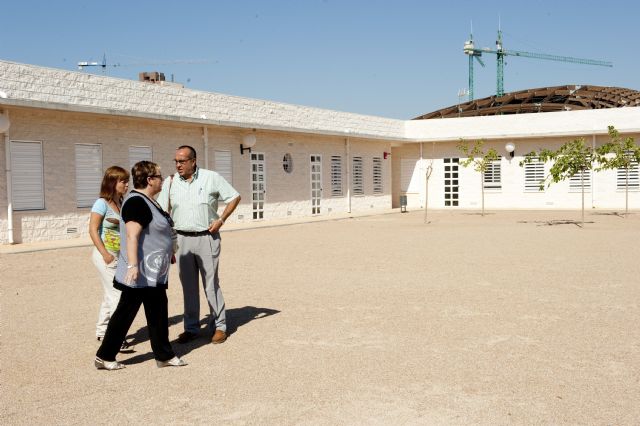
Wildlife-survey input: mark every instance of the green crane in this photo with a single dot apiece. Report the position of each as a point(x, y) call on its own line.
point(500, 52)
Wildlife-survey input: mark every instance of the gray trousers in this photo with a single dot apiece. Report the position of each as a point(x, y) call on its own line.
point(200, 255)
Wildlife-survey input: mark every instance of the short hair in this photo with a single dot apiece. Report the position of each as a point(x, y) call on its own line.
point(141, 171)
point(112, 176)
point(190, 148)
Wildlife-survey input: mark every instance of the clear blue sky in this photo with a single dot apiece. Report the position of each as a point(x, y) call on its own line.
point(395, 59)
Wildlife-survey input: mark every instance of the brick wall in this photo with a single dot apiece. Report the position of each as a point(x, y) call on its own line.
point(288, 194)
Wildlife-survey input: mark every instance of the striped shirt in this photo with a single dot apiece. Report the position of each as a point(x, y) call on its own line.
point(194, 205)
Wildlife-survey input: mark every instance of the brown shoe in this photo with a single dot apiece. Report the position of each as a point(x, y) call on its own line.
point(219, 337)
point(186, 337)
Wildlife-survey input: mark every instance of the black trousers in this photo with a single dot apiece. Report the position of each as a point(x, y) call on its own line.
point(155, 309)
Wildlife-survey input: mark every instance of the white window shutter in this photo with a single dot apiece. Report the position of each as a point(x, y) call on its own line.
point(223, 165)
point(377, 175)
point(336, 176)
point(88, 173)
point(139, 153)
point(27, 170)
point(357, 182)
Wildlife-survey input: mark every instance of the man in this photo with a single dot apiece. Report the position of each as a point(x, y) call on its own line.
point(191, 196)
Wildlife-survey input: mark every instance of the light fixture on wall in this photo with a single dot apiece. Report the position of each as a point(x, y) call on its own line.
point(386, 155)
point(510, 147)
point(4, 122)
point(248, 141)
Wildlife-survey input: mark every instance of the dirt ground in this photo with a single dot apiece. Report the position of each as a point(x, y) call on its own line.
point(511, 318)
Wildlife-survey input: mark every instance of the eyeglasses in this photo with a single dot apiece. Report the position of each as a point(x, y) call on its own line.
point(155, 176)
point(181, 162)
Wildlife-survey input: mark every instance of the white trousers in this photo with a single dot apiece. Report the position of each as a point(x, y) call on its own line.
point(111, 296)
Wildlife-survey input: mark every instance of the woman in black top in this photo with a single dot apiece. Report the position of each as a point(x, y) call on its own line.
point(143, 268)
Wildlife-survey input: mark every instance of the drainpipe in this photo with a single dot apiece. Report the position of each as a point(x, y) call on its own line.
point(7, 153)
point(205, 137)
point(593, 181)
point(347, 145)
point(423, 169)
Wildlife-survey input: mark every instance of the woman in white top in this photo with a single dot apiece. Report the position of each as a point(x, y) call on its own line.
point(104, 229)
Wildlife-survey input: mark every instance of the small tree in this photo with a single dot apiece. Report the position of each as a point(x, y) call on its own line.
point(480, 160)
point(570, 159)
point(427, 175)
point(619, 154)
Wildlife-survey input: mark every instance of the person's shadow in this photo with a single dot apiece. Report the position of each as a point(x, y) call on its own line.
point(236, 318)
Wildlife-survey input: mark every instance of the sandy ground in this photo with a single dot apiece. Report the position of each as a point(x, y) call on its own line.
point(502, 319)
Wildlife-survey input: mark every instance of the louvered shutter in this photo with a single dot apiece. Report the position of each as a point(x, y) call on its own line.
point(88, 173)
point(223, 165)
point(27, 175)
point(139, 153)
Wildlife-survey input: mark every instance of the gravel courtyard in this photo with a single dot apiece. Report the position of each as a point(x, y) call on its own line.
point(512, 318)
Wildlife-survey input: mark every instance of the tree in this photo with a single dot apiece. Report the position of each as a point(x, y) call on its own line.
point(480, 160)
point(619, 154)
point(572, 158)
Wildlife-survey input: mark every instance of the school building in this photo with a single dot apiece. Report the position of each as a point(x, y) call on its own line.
point(61, 130)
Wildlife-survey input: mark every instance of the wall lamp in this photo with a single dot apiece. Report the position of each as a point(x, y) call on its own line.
point(510, 147)
point(386, 155)
point(248, 141)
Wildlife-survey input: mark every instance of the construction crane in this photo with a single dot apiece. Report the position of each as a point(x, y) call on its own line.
point(501, 52)
point(104, 65)
point(469, 49)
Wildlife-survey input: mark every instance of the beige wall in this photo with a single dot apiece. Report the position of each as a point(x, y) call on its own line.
point(288, 195)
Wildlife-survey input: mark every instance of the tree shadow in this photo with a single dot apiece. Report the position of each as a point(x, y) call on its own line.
point(555, 222)
point(236, 318)
point(622, 215)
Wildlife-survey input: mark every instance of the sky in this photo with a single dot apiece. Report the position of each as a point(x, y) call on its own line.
point(396, 59)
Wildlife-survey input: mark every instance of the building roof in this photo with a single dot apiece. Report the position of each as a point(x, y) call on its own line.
point(31, 86)
point(49, 88)
point(543, 99)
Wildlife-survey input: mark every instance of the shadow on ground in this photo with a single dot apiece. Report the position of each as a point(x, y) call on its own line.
point(236, 318)
point(556, 222)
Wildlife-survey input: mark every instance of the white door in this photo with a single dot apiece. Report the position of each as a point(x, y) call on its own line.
point(316, 183)
point(258, 184)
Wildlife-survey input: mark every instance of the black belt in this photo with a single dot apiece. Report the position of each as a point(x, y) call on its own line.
point(193, 234)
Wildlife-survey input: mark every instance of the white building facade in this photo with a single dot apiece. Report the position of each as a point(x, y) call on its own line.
point(66, 128)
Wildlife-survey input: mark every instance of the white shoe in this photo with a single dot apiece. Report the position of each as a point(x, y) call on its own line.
point(107, 365)
point(173, 362)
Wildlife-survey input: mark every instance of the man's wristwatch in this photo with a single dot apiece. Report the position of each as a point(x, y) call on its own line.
point(131, 266)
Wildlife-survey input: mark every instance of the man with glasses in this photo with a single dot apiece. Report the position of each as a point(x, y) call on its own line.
point(191, 196)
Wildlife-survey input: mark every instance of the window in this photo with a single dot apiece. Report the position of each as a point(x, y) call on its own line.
point(575, 183)
point(88, 173)
point(377, 175)
point(139, 153)
point(634, 178)
point(287, 163)
point(451, 182)
point(27, 170)
point(356, 173)
point(336, 176)
point(492, 176)
point(533, 175)
point(222, 163)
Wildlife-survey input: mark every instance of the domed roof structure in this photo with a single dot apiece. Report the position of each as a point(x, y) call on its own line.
point(544, 99)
